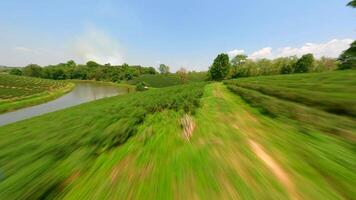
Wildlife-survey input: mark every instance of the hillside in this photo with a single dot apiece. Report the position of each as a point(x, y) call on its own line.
point(18, 91)
point(166, 80)
point(191, 141)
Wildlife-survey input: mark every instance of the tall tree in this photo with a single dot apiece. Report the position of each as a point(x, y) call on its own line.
point(304, 63)
point(164, 69)
point(348, 58)
point(220, 68)
point(352, 4)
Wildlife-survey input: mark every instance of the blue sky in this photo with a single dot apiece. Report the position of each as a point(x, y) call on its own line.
point(184, 33)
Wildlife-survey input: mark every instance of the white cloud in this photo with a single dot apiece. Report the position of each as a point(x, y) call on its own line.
point(332, 49)
point(95, 45)
point(235, 52)
point(262, 53)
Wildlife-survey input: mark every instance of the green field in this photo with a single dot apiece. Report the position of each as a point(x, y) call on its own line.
point(18, 91)
point(166, 80)
point(326, 101)
point(254, 145)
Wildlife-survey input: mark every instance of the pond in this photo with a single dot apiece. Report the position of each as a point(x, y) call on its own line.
point(83, 92)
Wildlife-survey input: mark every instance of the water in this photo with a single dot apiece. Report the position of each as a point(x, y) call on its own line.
point(83, 92)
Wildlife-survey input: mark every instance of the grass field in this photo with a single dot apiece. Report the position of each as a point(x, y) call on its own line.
point(136, 147)
point(166, 80)
point(18, 92)
point(38, 156)
point(235, 153)
point(325, 101)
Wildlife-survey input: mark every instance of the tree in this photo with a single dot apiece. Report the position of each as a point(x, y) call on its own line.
point(304, 63)
point(32, 70)
point(220, 68)
point(238, 60)
point(286, 69)
point(164, 69)
point(183, 75)
point(348, 58)
point(236, 65)
point(16, 72)
point(92, 64)
point(352, 4)
point(71, 63)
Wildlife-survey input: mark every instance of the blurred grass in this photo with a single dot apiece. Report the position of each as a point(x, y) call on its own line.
point(218, 162)
point(333, 92)
point(40, 154)
point(79, 159)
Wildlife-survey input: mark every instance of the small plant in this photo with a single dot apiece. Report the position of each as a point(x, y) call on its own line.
point(142, 86)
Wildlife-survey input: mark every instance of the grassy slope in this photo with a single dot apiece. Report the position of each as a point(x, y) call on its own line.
point(333, 92)
point(18, 92)
point(219, 161)
point(162, 80)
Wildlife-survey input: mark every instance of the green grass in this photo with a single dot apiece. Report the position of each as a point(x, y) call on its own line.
point(165, 80)
point(218, 162)
point(38, 155)
point(333, 92)
point(131, 147)
point(17, 92)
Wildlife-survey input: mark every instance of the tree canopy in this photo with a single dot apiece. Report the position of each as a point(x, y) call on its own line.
point(163, 69)
point(352, 4)
point(304, 63)
point(348, 58)
point(220, 68)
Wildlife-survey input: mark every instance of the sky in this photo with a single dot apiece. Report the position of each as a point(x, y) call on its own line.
point(179, 33)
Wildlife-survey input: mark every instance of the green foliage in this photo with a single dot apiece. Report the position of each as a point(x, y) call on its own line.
point(352, 3)
point(220, 68)
point(166, 80)
point(348, 58)
point(90, 71)
point(287, 69)
point(142, 86)
point(41, 154)
point(16, 72)
point(32, 70)
point(304, 63)
point(305, 97)
point(163, 69)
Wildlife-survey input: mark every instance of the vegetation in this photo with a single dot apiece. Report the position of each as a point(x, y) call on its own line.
point(90, 71)
point(18, 92)
point(166, 80)
point(348, 58)
point(220, 68)
point(40, 155)
point(304, 63)
point(163, 69)
point(241, 66)
point(81, 158)
point(306, 98)
point(352, 3)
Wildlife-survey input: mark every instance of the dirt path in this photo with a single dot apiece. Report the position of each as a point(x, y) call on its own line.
point(275, 168)
point(248, 125)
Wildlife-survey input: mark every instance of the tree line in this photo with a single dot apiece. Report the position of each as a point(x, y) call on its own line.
point(242, 66)
point(89, 71)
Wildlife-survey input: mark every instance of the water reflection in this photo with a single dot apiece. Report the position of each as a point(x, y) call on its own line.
point(83, 92)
